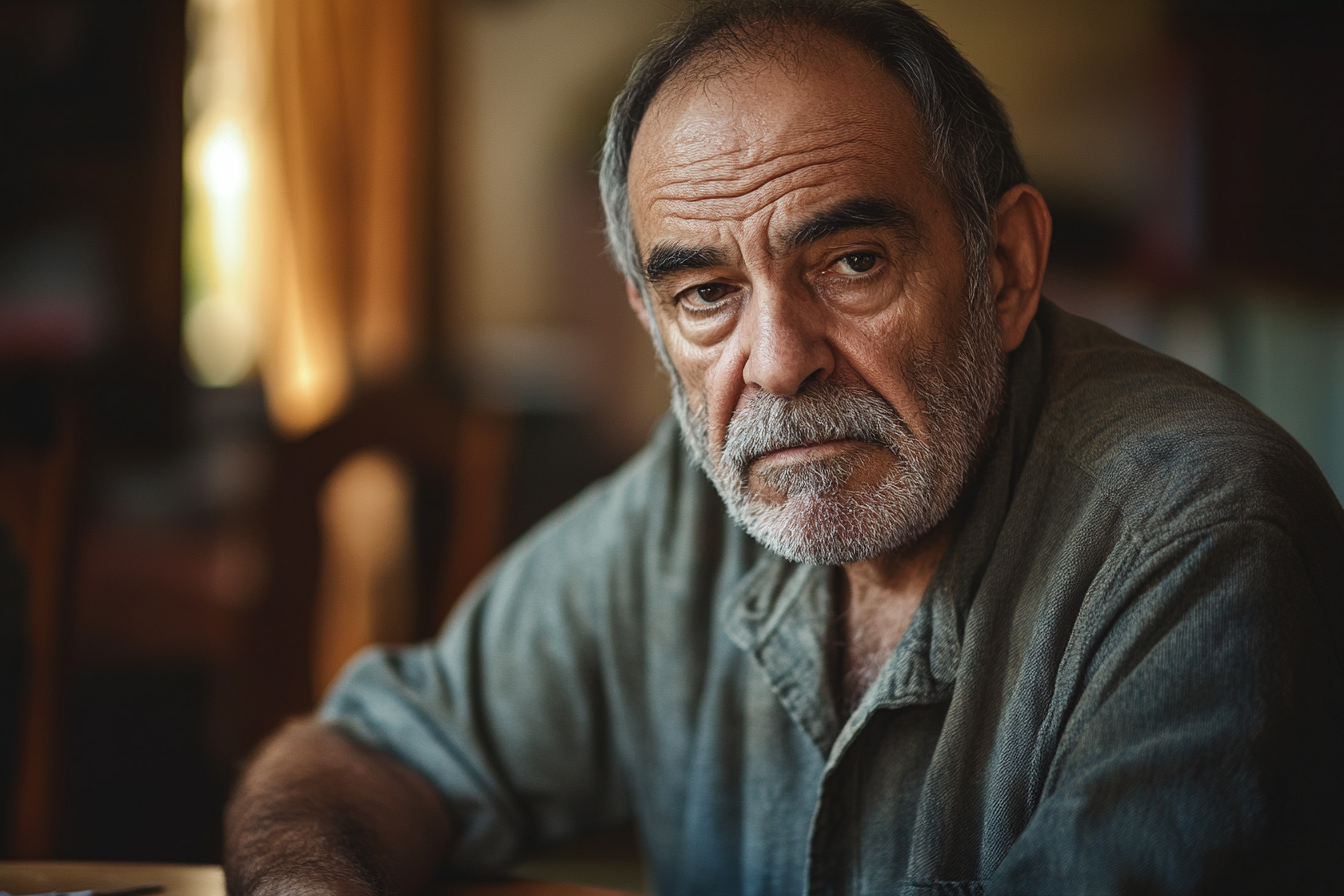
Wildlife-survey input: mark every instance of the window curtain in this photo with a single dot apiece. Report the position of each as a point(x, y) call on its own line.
point(342, 141)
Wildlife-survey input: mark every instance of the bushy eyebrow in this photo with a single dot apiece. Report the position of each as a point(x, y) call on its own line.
point(666, 260)
point(854, 214)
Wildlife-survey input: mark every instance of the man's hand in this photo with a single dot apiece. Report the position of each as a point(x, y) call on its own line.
point(318, 813)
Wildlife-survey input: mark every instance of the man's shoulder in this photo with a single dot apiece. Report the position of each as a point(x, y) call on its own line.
point(1162, 439)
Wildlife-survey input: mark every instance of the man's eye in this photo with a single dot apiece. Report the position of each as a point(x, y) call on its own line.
point(857, 262)
point(709, 294)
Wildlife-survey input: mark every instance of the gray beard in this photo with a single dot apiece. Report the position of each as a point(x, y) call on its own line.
point(822, 519)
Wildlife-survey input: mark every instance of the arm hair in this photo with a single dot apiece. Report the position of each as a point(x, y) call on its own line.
point(315, 812)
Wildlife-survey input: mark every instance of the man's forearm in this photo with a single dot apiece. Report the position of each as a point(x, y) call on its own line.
point(317, 813)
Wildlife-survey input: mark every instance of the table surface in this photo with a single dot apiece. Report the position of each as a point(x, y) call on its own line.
point(208, 880)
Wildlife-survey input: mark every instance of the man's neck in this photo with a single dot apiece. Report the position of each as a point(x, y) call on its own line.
point(876, 600)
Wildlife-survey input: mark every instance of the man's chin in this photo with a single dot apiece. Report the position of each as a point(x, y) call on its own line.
point(823, 529)
point(826, 479)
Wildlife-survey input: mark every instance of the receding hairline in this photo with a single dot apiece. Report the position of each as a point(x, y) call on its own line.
point(795, 48)
point(792, 44)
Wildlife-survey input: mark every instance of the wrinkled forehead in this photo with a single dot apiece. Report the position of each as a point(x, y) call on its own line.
point(724, 124)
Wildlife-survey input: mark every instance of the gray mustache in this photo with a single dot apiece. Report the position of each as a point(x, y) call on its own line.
point(820, 412)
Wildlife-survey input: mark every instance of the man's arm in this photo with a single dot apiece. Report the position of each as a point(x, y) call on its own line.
point(318, 813)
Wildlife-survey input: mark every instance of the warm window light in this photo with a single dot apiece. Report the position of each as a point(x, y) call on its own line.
point(224, 171)
point(300, 234)
point(220, 325)
point(224, 162)
point(220, 329)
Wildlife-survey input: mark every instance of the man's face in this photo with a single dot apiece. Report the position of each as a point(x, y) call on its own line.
point(806, 274)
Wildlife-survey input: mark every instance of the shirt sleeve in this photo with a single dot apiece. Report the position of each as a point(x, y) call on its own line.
point(505, 713)
point(1203, 753)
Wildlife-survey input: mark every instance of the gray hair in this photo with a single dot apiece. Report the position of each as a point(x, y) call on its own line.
point(968, 139)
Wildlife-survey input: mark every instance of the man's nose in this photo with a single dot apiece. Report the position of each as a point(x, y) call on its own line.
point(785, 340)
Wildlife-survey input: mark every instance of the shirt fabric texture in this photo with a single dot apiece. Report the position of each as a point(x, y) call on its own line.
point(1124, 676)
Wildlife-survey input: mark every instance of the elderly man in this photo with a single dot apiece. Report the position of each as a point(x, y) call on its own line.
point(989, 599)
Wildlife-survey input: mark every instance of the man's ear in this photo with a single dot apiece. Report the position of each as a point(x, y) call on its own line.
point(636, 300)
point(1017, 264)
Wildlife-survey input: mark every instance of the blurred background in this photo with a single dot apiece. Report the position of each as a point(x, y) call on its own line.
point(304, 313)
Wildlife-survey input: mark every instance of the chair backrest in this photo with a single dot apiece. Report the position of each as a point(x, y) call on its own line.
point(39, 451)
point(459, 462)
point(13, 666)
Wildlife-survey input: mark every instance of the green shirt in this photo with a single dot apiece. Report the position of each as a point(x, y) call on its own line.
point(1124, 676)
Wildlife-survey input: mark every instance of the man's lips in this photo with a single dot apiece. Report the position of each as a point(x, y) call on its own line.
point(812, 452)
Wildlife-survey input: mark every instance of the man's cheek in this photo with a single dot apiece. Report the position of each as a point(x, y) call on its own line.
point(698, 378)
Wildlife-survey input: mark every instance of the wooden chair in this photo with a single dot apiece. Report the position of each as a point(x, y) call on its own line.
point(459, 464)
point(471, 453)
point(39, 453)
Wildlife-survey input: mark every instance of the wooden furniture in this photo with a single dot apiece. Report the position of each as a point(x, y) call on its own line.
point(44, 877)
point(39, 454)
point(462, 460)
point(208, 880)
